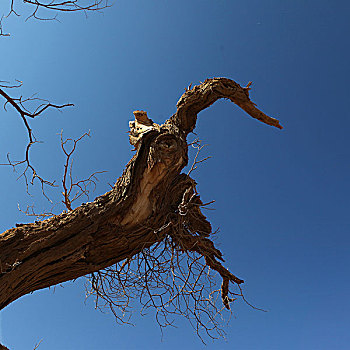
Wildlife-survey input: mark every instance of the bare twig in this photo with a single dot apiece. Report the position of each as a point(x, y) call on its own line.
point(73, 190)
point(20, 105)
point(2, 33)
point(197, 144)
point(38, 344)
point(40, 8)
point(176, 276)
point(39, 216)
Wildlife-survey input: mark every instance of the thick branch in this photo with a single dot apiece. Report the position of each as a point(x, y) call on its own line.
point(150, 202)
point(116, 225)
point(205, 94)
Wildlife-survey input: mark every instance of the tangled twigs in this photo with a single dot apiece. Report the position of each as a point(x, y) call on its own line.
point(167, 280)
point(176, 276)
point(22, 105)
point(73, 190)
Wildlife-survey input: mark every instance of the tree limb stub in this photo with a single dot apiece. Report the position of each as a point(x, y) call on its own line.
point(150, 201)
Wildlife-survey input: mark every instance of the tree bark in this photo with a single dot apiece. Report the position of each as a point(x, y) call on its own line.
point(134, 215)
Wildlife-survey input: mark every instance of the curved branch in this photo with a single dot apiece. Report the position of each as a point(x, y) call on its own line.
point(205, 94)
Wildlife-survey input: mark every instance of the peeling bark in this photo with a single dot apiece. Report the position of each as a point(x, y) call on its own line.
point(127, 219)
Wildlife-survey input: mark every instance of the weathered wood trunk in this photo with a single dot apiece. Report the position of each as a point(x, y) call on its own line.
point(130, 217)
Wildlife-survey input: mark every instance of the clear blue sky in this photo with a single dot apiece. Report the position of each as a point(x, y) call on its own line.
point(282, 197)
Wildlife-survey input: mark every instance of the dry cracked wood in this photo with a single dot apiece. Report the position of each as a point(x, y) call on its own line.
point(126, 219)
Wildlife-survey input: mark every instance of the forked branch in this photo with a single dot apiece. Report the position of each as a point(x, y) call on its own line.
point(73, 190)
point(27, 108)
point(40, 9)
point(65, 6)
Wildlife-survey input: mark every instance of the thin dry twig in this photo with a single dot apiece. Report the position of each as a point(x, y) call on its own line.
point(40, 8)
point(22, 107)
point(2, 33)
point(197, 144)
point(73, 190)
point(167, 280)
point(29, 211)
point(38, 344)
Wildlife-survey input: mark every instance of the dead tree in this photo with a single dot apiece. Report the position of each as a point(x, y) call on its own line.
point(152, 210)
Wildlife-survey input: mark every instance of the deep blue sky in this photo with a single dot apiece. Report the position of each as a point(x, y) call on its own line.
point(282, 197)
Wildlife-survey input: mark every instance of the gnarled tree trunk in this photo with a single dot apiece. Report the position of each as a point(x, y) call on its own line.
point(137, 213)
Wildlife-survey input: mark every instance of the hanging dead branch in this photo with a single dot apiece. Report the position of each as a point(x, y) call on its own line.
point(178, 276)
point(145, 239)
point(27, 108)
